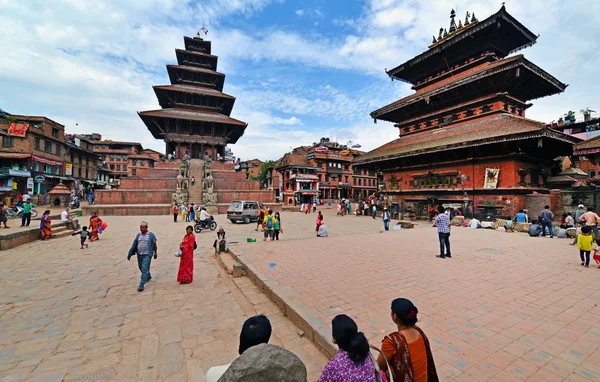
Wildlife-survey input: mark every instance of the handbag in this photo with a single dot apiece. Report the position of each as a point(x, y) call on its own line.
point(99, 229)
point(179, 253)
point(379, 374)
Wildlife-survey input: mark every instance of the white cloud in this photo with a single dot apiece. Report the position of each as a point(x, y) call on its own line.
point(95, 62)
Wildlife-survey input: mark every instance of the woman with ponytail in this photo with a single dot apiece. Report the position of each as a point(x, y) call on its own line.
point(352, 362)
point(407, 350)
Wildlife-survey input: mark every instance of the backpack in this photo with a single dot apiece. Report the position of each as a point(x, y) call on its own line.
point(270, 222)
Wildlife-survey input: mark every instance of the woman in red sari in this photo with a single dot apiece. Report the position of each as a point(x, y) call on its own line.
point(45, 229)
point(186, 262)
point(95, 223)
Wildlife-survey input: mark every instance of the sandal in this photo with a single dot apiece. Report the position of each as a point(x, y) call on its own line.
point(582, 264)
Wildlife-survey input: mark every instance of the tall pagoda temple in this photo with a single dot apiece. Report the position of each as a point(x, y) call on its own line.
point(464, 139)
point(195, 114)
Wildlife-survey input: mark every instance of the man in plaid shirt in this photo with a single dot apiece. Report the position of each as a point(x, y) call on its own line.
point(442, 221)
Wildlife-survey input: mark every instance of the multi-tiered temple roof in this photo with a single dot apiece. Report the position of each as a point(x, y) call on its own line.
point(195, 114)
point(466, 80)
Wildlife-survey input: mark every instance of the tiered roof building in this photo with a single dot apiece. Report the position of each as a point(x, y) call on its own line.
point(195, 115)
point(464, 139)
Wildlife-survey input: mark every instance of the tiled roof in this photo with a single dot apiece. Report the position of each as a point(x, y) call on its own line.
point(481, 131)
point(592, 143)
point(193, 89)
point(466, 77)
point(193, 115)
point(295, 158)
point(195, 69)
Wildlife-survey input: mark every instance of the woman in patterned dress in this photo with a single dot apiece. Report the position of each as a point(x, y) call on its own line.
point(352, 362)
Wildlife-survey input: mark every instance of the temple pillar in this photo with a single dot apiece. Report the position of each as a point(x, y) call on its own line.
point(202, 149)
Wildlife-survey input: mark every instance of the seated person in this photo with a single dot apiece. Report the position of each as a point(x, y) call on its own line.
point(508, 226)
point(266, 362)
point(474, 223)
point(322, 231)
point(220, 243)
point(520, 217)
point(255, 331)
point(562, 233)
point(569, 221)
point(535, 229)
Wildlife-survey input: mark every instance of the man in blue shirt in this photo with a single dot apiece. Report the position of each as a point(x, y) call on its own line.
point(145, 247)
point(442, 221)
point(546, 216)
point(521, 217)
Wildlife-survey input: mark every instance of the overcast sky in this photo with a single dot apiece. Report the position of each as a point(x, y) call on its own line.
point(300, 70)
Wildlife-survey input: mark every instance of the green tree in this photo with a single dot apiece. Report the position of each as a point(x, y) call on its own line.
point(264, 170)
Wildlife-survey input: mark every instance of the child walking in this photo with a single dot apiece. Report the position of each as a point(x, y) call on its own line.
point(585, 245)
point(84, 234)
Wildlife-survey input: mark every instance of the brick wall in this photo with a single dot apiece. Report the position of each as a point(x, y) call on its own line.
point(128, 210)
point(225, 184)
point(535, 204)
point(265, 196)
point(156, 172)
point(228, 175)
point(148, 184)
point(133, 196)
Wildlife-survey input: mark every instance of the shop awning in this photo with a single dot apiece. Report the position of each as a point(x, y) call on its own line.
point(18, 129)
point(14, 156)
point(308, 192)
point(47, 161)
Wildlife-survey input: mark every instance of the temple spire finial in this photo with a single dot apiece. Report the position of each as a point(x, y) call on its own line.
point(441, 33)
point(434, 40)
point(474, 19)
point(445, 33)
point(452, 22)
point(460, 26)
point(467, 18)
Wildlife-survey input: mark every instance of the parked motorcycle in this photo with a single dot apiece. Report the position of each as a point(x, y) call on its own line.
point(17, 211)
point(209, 223)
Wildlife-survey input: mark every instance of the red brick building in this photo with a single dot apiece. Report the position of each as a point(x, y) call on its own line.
point(32, 156)
point(116, 155)
point(323, 171)
point(251, 167)
point(464, 139)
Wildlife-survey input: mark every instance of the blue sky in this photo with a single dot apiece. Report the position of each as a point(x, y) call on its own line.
point(300, 70)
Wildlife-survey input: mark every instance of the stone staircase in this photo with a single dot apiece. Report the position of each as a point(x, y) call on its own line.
point(61, 231)
point(195, 191)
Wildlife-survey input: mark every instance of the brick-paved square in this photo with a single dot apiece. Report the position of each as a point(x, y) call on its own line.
point(505, 307)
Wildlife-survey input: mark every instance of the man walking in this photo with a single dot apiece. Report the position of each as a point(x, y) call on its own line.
point(442, 221)
point(175, 213)
point(26, 219)
point(374, 210)
point(591, 220)
point(578, 212)
point(386, 219)
point(145, 247)
point(546, 216)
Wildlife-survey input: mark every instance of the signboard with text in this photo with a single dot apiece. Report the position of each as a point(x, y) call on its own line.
point(68, 169)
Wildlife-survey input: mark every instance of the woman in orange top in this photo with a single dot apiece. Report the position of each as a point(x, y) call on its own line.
point(407, 350)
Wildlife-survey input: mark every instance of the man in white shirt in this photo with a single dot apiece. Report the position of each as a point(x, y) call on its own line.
point(65, 218)
point(256, 331)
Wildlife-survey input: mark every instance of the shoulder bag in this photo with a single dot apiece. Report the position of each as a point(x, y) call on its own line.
point(378, 371)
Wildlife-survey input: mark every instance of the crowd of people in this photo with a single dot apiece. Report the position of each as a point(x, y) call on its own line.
point(404, 355)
